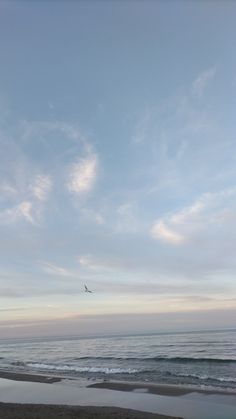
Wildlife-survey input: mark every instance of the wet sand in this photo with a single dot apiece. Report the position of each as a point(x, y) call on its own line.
point(152, 388)
point(160, 389)
point(31, 396)
point(27, 411)
point(42, 411)
point(16, 376)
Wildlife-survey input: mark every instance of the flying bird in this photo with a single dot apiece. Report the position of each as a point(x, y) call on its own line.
point(86, 288)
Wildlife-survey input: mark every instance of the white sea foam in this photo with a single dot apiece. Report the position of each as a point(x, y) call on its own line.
point(103, 370)
point(208, 377)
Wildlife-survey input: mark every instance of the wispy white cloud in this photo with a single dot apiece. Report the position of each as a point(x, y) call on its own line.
point(25, 209)
point(53, 269)
point(20, 211)
point(208, 209)
point(82, 175)
point(25, 186)
point(200, 84)
point(173, 139)
point(188, 213)
point(207, 206)
point(32, 199)
point(161, 231)
point(44, 133)
point(7, 190)
point(42, 187)
point(91, 262)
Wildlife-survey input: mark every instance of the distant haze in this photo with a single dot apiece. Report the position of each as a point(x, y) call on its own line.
point(123, 324)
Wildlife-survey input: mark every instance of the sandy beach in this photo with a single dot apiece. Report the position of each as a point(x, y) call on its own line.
point(27, 411)
point(31, 396)
point(152, 388)
point(40, 411)
point(159, 389)
point(34, 378)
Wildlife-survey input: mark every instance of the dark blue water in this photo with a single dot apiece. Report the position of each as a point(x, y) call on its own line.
point(205, 359)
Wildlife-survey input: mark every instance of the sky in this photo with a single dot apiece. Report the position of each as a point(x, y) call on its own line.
point(117, 166)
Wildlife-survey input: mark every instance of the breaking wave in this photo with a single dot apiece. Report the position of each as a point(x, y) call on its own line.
point(104, 370)
point(205, 377)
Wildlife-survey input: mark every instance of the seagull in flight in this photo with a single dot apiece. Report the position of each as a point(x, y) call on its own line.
point(86, 288)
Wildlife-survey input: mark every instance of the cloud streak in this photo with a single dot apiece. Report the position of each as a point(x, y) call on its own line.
point(31, 171)
point(42, 187)
point(208, 210)
point(52, 269)
point(82, 175)
point(18, 212)
point(161, 231)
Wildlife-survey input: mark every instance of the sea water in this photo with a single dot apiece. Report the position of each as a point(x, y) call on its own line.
point(203, 359)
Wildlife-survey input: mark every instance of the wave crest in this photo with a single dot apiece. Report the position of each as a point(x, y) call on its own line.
point(104, 370)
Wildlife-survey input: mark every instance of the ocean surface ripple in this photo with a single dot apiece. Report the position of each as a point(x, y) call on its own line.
point(206, 359)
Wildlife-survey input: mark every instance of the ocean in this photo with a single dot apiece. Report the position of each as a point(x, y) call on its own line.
point(203, 359)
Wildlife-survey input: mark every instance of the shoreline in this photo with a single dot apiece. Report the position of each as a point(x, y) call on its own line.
point(34, 378)
point(53, 397)
point(12, 410)
point(160, 389)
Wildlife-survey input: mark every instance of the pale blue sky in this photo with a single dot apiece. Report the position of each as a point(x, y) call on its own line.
point(117, 162)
